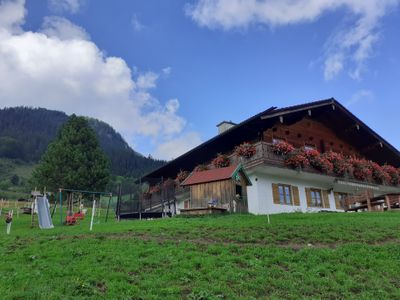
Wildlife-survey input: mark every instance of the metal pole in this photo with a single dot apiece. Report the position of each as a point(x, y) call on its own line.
point(108, 207)
point(93, 209)
point(60, 196)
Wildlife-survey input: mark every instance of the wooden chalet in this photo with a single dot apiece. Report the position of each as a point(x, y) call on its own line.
point(324, 126)
point(223, 188)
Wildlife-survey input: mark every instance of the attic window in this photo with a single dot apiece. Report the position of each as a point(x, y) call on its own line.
point(277, 140)
point(309, 147)
point(287, 132)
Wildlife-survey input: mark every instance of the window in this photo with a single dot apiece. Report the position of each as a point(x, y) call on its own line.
point(186, 204)
point(285, 194)
point(339, 197)
point(277, 140)
point(309, 147)
point(316, 198)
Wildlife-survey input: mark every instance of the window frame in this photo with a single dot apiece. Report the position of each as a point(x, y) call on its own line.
point(341, 196)
point(287, 194)
point(314, 199)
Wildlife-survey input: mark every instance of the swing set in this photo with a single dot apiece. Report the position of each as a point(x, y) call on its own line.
point(76, 210)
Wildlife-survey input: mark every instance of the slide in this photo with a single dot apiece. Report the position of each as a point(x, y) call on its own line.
point(44, 216)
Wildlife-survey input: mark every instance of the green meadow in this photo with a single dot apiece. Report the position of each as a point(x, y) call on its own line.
point(321, 255)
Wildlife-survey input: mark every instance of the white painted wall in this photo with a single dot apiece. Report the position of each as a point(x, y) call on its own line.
point(260, 199)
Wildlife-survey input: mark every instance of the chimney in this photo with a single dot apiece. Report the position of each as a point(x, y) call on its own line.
point(224, 126)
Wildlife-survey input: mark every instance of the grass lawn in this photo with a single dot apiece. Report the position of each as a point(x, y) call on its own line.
point(323, 255)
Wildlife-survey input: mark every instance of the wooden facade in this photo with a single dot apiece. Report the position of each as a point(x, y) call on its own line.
point(229, 193)
point(311, 133)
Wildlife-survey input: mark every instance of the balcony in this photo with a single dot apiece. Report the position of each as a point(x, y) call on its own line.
point(266, 156)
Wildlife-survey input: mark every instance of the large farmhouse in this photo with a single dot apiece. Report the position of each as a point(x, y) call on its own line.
point(308, 157)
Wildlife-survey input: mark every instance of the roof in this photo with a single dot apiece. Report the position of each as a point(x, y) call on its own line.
point(329, 112)
point(215, 175)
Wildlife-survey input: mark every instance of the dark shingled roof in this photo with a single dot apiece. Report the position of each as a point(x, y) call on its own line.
point(329, 112)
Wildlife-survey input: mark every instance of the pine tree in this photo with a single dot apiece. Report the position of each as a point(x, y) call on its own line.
point(73, 160)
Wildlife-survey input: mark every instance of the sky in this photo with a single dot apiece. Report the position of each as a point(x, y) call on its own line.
point(164, 73)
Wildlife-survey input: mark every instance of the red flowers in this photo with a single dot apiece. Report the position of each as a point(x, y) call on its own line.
point(282, 148)
point(246, 150)
point(337, 163)
point(393, 174)
point(221, 161)
point(318, 161)
point(182, 175)
point(340, 164)
point(155, 189)
point(200, 168)
point(296, 159)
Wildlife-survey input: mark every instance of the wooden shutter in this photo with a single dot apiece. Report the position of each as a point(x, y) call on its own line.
point(275, 193)
point(296, 195)
point(308, 196)
point(337, 200)
point(325, 199)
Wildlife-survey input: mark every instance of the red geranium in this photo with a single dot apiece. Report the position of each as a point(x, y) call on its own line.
point(182, 175)
point(318, 161)
point(361, 169)
point(393, 173)
point(297, 159)
point(378, 173)
point(221, 161)
point(340, 164)
point(282, 148)
point(200, 168)
point(246, 150)
point(155, 189)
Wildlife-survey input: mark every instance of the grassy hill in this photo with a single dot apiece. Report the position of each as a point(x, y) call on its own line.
point(323, 255)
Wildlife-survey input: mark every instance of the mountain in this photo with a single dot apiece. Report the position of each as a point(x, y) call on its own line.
point(26, 132)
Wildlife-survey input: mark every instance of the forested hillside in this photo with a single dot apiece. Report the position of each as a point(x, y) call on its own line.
point(26, 132)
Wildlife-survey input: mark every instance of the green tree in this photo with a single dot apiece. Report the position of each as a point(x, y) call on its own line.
point(73, 160)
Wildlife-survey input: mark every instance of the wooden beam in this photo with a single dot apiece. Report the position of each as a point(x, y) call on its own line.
point(387, 202)
point(368, 201)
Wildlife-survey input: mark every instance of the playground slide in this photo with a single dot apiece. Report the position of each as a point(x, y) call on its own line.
point(44, 216)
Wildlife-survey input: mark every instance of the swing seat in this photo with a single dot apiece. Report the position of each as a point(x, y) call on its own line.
point(70, 220)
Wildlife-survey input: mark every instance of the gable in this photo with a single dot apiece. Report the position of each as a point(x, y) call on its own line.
point(309, 132)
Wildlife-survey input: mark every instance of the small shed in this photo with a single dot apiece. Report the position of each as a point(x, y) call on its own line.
point(222, 187)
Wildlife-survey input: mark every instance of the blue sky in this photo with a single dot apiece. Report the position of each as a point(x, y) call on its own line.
point(164, 73)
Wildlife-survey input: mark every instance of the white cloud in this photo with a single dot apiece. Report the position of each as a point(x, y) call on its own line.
point(60, 68)
point(167, 71)
point(350, 47)
point(175, 147)
point(136, 24)
point(361, 95)
point(12, 15)
point(57, 27)
point(70, 6)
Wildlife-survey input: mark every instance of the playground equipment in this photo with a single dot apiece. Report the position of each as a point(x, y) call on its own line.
point(40, 206)
point(76, 197)
point(43, 209)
